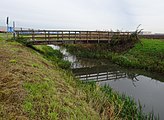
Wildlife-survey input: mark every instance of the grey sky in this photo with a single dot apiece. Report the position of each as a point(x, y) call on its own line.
point(85, 14)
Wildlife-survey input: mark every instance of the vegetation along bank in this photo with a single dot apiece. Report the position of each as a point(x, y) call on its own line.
point(34, 84)
point(147, 54)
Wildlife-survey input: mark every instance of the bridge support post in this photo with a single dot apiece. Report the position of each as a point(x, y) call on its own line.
point(75, 38)
point(48, 36)
point(33, 35)
point(87, 36)
point(69, 35)
point(45, 35)
point(108, 38)
point(98, 37)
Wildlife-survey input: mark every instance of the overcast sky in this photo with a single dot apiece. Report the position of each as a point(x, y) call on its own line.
point(84, 14)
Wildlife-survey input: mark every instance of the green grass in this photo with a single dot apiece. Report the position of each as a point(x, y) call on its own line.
point(100, 98)
point(35, 87)
point(13, 61)
point(54, 55)
point(150, 49)
point(3, 36)
point(148, 55)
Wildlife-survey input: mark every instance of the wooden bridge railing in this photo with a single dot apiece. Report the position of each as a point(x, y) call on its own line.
point(39, 36)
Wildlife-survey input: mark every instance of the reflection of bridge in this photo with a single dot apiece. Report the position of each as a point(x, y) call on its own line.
point(65, 36)
point(98, 74)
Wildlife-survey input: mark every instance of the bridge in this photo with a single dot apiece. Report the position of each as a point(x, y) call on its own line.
point(37, 37)
point(57, 37)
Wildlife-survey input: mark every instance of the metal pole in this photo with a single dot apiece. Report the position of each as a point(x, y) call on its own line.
point(7, 23)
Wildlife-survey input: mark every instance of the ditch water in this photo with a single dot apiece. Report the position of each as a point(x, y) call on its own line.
point(146, 88)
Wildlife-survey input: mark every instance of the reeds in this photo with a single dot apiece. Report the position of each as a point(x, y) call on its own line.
point(112, 105)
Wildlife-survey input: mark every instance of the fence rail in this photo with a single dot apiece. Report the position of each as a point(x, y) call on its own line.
point(65, 36)
point(102, 76)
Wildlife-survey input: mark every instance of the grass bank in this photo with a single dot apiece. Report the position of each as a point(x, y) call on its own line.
point(52, 55)
point(34, 86)
point(147, 54)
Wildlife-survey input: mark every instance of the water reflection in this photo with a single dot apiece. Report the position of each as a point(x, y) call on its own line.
point(150, 92)
point(97, 74)
point(146, 87)
point(103, 73)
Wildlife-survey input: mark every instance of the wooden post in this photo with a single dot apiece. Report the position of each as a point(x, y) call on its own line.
point(80, 35)
point(14, 30)
point(128, 35)
point(98, 37)
point(75, 38)
point(90, 35)
point(57, 35)
point(48, 35)
point(62, 35)
point(32, 34)
point(108, 38)
point(69, 35)
point(87, 36)
point(45, 35)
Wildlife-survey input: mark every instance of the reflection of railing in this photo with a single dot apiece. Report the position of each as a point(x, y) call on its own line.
point(98, 75)
point(102, 76)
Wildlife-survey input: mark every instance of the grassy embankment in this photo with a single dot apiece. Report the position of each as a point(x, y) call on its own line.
point(32, 87)
point(148, 55)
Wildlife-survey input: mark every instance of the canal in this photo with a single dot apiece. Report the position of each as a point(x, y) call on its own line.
point(144, 87)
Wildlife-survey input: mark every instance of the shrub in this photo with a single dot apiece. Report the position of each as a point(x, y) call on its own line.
point(24, 41)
